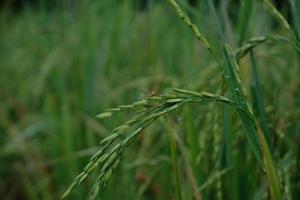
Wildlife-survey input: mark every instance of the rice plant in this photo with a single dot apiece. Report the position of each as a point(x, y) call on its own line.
point(148, 110)
point(220, 120)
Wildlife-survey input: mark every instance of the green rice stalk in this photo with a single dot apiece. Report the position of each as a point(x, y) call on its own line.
point(258, 97)
point(277, 15)
point(239, 96)
point(284, 23)
point(255, 41)
point(273, 179)
point(161, 105)
point(185, 18)
point(244, 17)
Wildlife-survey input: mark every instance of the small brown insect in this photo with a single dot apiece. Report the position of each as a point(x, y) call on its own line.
point(153, 92)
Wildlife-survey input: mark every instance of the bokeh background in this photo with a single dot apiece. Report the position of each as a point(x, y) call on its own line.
point(63, 62)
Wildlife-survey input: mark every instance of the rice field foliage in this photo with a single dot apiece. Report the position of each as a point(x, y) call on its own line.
point(219, 118)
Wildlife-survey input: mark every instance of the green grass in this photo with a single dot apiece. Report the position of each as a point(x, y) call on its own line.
point(231, 133)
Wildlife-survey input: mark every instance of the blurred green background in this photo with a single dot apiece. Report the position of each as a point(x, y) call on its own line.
point(63, 62)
